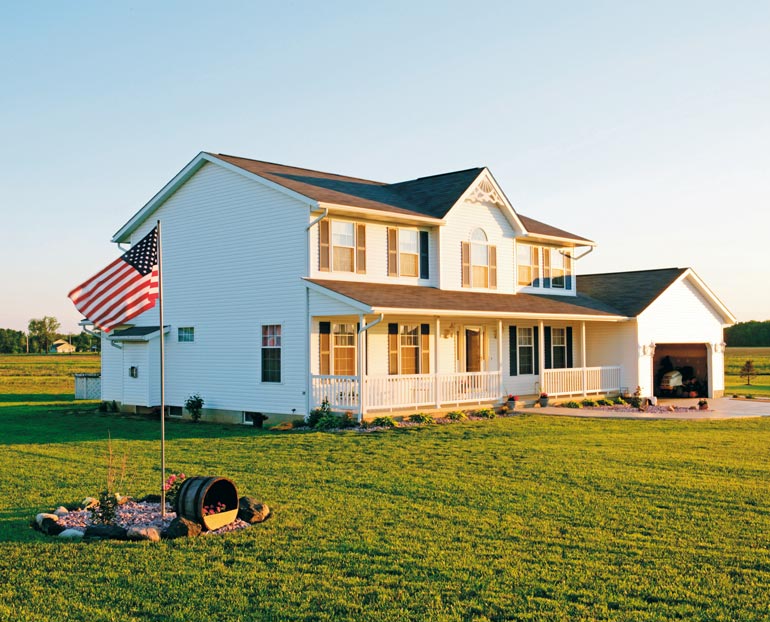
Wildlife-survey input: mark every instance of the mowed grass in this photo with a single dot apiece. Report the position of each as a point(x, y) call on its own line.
point(734, 361)
point(28, 378)
point(520, 518)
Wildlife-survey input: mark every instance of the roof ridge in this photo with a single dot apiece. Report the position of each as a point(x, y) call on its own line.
point(634, 271)
point(300, 168)
point(464, 170)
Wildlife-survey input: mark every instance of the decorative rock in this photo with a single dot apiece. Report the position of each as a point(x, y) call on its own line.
point(252, 511)
point(143, 533)
point(50, 527)
point(71, 534)
point(122, 499)
point(671, 409)
point(61, 511)
point(181, 527)
point(105, 532)
point(40, 517)
point(88, 503)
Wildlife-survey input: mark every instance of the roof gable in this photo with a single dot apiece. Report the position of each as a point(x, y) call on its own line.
point(633, 292)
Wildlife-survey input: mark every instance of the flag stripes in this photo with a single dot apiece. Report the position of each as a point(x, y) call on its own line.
point(124, 289)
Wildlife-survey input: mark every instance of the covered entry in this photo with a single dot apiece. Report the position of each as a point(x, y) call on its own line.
point(690, 360)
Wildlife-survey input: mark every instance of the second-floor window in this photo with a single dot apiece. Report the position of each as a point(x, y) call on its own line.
point(479, 261)
point(342, 246)
point(185, 334)
point(543, 267)
point(408, 252)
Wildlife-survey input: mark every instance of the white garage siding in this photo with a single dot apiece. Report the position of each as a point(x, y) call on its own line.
point(614, 344)
point(683, 315)
point(111, 370)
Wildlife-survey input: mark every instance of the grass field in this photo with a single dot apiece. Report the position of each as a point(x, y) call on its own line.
point(521, 518)
point(28, 378)
point(734, 360)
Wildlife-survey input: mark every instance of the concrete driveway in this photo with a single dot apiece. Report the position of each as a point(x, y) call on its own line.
point(721, 408)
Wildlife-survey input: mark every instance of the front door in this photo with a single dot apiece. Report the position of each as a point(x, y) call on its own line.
point(472, 349)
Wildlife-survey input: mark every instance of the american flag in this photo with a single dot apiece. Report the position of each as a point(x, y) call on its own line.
point(124, 289)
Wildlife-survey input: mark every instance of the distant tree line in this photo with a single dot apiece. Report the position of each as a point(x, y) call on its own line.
point(40, 336)
point(748, 334)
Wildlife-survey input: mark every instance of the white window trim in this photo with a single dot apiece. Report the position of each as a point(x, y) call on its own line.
point(261, 347)
point(519, 348)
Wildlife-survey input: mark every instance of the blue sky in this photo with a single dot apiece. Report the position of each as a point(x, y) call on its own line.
point(643, 126)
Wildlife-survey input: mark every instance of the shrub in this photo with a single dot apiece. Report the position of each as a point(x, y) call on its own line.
point(503, 410)
point(383, 422)
point(636, 400)
point(103, 407)
point(347, 420)
point(114, 406)
point(105, 511)
point(619, 401)
point(421, 418)
point(456, 415)
point(316, 414)
point(194, 405)
point(328, 421)
point(588, 403)
point(172, 485)
point(573, 404)
point(604, 402)
point(485, 413)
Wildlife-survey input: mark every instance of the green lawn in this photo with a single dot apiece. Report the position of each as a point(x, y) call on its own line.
point(525, 518)
point(42, 377)
point(734, 360)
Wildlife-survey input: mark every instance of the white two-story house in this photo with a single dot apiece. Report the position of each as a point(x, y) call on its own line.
point(284, 287)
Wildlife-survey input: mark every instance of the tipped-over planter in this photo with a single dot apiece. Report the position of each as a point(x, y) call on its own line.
point(198, 493)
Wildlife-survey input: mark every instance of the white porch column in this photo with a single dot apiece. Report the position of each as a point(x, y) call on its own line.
point(500, 354)
point(583, 356)
point(541, 352)
point(436, 384)
point(360, 366)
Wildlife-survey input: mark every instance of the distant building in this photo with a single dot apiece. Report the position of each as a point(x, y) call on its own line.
point(61, 347)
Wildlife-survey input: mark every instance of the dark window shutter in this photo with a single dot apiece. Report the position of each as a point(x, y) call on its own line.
point(568, 281)
point(466, 260)
point(323, 245)
point(361, 249)
point(325, 329)
point(424, 268)
point(547, 344)
point(393, 349)
point(513, 351)
point(493, 267)
point(424, 348)
point(569, 346)
point(536, 352)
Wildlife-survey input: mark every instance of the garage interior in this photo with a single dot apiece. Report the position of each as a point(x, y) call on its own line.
point(691, 359)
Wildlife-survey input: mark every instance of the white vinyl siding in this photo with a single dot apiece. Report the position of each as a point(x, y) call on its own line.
point(219, 231)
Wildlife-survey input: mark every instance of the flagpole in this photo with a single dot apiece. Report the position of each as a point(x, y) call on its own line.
point(162, 383)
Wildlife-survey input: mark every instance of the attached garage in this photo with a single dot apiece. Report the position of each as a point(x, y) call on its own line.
point(690, 360)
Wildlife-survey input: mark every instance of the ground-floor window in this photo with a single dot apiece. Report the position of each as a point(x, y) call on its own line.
point(526, 347)
point(271, 353)
point(344, 348)
point(558, 348)
point(408, 349)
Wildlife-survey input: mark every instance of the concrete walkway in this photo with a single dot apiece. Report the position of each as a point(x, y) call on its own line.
point(721, 408)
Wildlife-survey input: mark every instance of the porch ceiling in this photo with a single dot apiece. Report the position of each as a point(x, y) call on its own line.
point(409, 299)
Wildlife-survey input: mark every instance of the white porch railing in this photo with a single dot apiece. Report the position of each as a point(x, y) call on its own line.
point(558, 382)
point(408, 391)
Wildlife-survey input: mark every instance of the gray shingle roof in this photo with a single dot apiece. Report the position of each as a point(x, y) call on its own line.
point(628, 292)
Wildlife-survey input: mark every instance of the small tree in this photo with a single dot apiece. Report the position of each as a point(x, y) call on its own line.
point(194, 405)
point(748, 371)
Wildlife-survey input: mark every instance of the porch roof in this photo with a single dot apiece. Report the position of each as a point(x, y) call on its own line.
point(411, 299)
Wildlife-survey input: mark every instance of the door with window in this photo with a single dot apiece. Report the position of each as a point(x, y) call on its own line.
point(473, 349)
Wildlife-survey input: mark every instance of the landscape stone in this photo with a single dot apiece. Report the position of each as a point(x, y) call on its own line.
point(105, 532)
point(40, 517)
point(51, 527)
point(180, 527)
point(71, 534)
point(88, 503)
point(143, 533)
point(61, 511)
point(252, 511)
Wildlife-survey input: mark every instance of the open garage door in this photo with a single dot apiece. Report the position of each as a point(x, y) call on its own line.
point(690, 360)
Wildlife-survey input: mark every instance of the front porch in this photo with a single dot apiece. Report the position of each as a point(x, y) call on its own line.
point(442, 390)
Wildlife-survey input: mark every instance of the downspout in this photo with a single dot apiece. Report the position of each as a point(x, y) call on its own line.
point(308, 319)
point(588, 252)
point(360, 362)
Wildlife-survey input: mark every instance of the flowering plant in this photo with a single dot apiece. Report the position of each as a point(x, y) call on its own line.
point(208, 510)
point(544, 395)
point(172, 486)
point(513, 398)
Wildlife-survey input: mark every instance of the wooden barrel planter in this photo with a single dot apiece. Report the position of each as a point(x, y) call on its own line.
point(199, 495)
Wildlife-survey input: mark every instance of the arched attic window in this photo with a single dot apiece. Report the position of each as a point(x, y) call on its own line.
point(479, 259)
